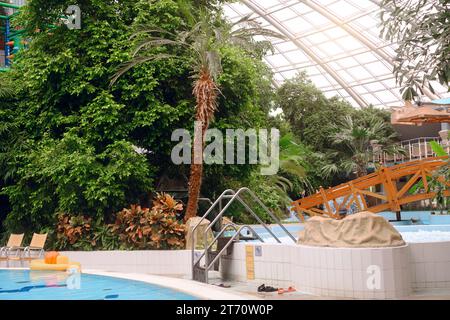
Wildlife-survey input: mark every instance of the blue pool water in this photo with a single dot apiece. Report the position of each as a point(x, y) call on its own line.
point(43, 285)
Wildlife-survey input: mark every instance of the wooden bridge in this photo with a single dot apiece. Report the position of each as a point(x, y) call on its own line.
point(387, 189)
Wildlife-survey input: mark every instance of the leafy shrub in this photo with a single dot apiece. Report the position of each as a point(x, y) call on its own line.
point(68, 175)
point(74, 232)
point(81, 232)
point(158, 228)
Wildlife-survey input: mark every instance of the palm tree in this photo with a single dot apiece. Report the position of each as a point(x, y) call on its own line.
point(292, 164)
point(354, 145)
point(203, 43)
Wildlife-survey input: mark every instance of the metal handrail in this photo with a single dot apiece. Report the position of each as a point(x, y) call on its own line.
point(237, 230)
point(215, 239)
point(270, 213)
point(207, 266)
point(236, 195)
point(218, 200)
point(421, 143)
point(232, 195)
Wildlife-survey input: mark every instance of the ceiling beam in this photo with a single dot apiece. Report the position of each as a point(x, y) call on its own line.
point(276, 24)
point(357, 35)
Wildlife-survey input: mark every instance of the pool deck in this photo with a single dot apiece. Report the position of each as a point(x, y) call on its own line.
point(250, 288)
point(240, 290)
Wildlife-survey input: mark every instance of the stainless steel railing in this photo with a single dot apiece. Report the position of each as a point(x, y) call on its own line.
point(231, 196)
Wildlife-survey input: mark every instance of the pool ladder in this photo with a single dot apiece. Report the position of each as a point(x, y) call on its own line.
point(211, 257)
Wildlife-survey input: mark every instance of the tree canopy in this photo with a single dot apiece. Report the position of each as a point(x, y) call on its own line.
point(70, 141)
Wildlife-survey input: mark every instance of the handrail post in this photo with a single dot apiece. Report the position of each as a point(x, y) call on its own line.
point(232, 195)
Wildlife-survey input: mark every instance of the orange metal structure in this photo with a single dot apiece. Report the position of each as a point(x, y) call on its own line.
point(362, 191)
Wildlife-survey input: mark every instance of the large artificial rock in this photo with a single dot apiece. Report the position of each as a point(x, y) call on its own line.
point(364, 229)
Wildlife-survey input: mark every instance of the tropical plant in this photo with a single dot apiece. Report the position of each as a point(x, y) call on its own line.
point(355, 145)
point(308, 111)
point(422, 34)
point(132, 227)
point(439, 183)
point(73, 231)
point(204, 42)
point(156, 228)
point(64, 111)
point(6, 87)
point(292, 163)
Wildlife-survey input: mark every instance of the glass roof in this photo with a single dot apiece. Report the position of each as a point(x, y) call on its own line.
point(336, 42)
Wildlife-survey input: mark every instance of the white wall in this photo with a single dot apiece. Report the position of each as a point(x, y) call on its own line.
point(430, 264)
point(336, 272)
point(160, 262)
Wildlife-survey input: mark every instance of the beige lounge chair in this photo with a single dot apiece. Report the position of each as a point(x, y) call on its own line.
point(34, 251)
point(14, 243)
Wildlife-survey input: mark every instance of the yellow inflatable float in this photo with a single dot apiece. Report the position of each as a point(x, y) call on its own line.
point(54, 262)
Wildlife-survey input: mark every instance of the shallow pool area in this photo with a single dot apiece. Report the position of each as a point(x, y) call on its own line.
point(416, 227)
point(411, 234)
point(43, 285)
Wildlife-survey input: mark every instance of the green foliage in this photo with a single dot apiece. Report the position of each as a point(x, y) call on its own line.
point(355, 143)
point(439, 184)
point(68, 139)
point(68, 176)
point(6, 87)
point(339, 137)
point(421, 31)
point(440, 179)
point(305, 107)
point(438, 149)
point(155, 228)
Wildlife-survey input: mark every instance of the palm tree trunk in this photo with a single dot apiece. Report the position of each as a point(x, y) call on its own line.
point(195, 184)
point(205, 92)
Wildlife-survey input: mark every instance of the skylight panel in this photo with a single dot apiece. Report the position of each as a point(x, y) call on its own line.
point(355, 66)
point(331, 49)
point(286, 46)
point(316, 19)
point(320, 81)
point(277, 60)
point(371, 99)
point(350, 43)
point(316, 38)
point(359, 73)
point(284, 14)
point(343, 9)
point(296, 56)
point(335, 33)
point(360, 90)
point(346, 62)
point(289, 74)
point(386, 96)
point(378, 68)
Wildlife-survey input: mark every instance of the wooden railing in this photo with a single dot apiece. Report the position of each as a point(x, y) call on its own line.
point(376, 192)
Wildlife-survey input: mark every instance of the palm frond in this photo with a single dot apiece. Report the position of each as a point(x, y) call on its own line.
point(153, 42)
point(136, 61)
point(292, 167)
point(143, 29)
